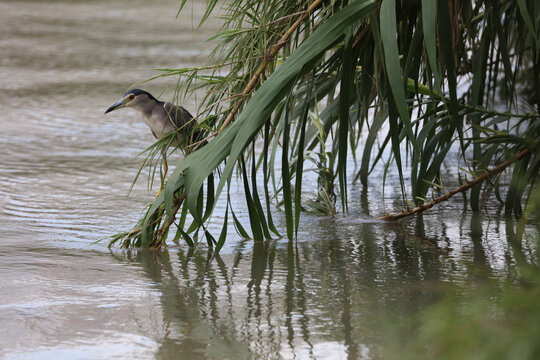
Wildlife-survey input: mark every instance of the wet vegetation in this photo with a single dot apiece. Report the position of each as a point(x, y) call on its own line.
point(295, 89)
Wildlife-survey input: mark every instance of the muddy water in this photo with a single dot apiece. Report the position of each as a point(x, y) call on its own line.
point(65, 172)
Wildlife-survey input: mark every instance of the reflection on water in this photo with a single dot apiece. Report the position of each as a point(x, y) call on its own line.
point(335, 296)
point(65, 171)
point(340, 292)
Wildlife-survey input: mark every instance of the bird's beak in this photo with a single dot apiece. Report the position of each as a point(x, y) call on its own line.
point(117, 105)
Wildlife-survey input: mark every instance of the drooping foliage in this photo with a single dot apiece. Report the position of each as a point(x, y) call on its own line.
point(401, 84)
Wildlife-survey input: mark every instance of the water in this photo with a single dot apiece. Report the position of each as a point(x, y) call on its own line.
point(65, 171)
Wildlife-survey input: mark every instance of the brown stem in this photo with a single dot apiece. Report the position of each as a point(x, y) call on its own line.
point(462, 188)
point(162, 232)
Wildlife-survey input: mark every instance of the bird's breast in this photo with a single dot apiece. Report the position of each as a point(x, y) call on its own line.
point(159, 124)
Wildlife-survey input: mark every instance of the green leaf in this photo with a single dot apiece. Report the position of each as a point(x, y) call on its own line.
point(265, 175)
point(348, 72)
point(256, 200)
point(300, 157)
point(186, 237)
point(429, 13)
point(223, 234)
point(253, 216)
point(238, 226)
point(445, 34)
point(527, 19)
point(287, 198)
point(209, 238)
point(392, 66)
point(378, 121)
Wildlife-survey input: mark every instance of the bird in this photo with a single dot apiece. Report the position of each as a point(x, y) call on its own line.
point(162, 117)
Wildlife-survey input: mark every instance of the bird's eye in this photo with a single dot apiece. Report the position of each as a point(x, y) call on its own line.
point(131, 96)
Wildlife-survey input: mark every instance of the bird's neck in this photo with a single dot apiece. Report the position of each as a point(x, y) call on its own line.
point(146, 109)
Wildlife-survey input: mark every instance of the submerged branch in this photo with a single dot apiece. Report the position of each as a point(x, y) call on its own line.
point(463, 187)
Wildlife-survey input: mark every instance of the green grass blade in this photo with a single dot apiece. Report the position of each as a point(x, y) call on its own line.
point(253, 216)
point(378, 121)
point(435, 167)
point(223, 234)
point(210, 198)
point(480, 69)
point(187, 238)
point(392, 66)
point(285, 177)
point(445, 35)
point(210, 5)
point(348, 72)
point(429, 14)
point(238, 226)
point(528, 22)
point(300, 156)
point(395, 130)
point(209, 239)
point(182, 4)
point(518, 184)
point(503, 48)
point(256, 199)
point(266, 179)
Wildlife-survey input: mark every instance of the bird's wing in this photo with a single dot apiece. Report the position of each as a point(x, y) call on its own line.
point(181, 118)
point(178, 116)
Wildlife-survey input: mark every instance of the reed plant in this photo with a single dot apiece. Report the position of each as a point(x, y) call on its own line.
point(297, 86)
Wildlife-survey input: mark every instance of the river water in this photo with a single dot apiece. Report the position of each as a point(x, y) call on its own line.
point(65, 172)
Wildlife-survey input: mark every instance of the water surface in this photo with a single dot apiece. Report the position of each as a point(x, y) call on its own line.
point(65, 172)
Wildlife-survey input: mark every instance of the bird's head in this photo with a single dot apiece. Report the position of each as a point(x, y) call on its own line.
point(133, 98)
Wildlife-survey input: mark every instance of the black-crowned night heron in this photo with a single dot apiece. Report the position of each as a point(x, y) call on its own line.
point(162, 117)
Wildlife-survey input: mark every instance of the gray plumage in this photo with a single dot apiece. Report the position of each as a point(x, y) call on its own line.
point(161, 117)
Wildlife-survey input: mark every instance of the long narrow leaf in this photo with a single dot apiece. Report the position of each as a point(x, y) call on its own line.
point(393, 69)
